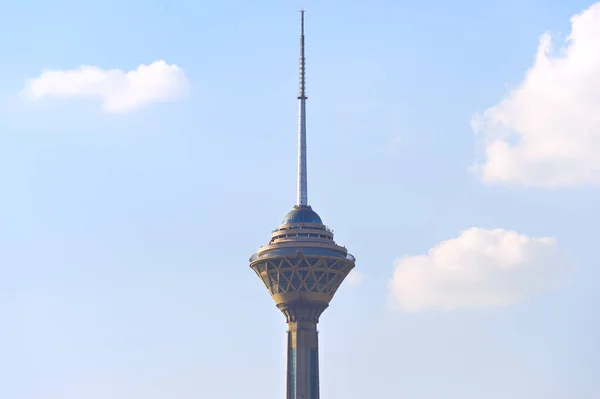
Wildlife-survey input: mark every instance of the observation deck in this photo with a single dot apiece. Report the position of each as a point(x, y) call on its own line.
point(302, 262)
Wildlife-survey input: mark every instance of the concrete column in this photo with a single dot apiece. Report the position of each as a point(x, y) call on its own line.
point(303, 360)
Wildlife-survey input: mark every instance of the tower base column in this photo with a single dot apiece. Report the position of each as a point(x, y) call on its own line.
point(303, 360)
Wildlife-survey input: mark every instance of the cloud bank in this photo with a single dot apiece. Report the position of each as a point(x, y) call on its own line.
point(480, 268)
point(546, 131)
point(120, 91)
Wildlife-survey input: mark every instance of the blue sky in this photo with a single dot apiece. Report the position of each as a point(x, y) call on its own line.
point(125, 233)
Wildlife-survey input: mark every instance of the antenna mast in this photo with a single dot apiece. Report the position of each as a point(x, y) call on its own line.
point(302, 175)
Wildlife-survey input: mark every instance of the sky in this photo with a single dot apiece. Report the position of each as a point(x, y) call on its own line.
point(147, 149)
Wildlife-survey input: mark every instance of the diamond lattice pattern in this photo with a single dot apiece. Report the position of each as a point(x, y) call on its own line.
point(289, 274)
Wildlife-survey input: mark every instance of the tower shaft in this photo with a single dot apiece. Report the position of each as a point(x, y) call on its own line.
point(302, 170)
point(303, 360)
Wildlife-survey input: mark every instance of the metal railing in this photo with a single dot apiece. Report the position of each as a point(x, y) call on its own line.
point(256, 256)
point(311, 227)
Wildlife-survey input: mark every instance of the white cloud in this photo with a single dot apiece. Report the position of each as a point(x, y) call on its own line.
point(480, 268)
point(120, 91)
point(546, 131)
point(354, 278)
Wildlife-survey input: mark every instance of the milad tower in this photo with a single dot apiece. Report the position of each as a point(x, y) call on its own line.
point(302, 267)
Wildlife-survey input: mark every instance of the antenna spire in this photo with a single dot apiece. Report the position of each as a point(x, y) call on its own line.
point(302, 175)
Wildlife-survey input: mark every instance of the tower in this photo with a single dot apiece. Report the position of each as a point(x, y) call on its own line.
point(302, 267)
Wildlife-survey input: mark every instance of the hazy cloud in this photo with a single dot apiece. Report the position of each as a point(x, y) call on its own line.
point(354, 278)
point(120, 91)
point(546, 131)
point(480, 268)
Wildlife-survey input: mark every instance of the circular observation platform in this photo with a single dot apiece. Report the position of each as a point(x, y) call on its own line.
point(302, 264)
